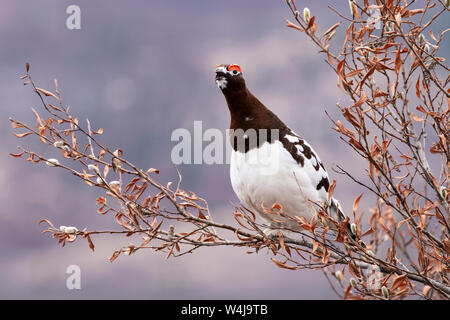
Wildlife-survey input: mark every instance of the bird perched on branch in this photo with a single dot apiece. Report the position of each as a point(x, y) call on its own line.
point(271, 164)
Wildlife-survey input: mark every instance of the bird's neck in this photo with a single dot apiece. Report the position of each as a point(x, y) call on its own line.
point(248, 112)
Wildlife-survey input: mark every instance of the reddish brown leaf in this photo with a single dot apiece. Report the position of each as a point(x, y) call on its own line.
point(399, 281)
point(48, 222)
point(354, 73)
point(331, 190)
point(418, 87)
point(16, 125)
point(201, 215)
point(114, 256)
point(153, 170)
point(356, 144)
point(18, 155)
point(398, 62)
point(351, 118)
point(347, 35)
point(37, 117)
point(425, 290)
point(21, 135)
point(91, 244)
point(311, 24)
point(283, 265)
point(54, 108)
point(294, 26)
point(371, 70)
point(416, 118)
point(356, 203)
point(46, 93)
point(331, 29)
point(367, 232)
point(101, 200)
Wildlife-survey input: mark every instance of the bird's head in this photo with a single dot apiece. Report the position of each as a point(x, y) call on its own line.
point(229, 77)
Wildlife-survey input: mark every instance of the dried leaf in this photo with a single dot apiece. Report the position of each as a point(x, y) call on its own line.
point(114, 256)
point(201, 215)
point(418, 87)
point(21, 135)
point(283, 265)
point(101, 200)
point(37, 117)
point(54, 108)
point(46, 93)
point(331, 29)
point(425, 290)
point(17, 155)
point(354, 73)
point(356, 203)
point(294, 26)
point(311, 24)
point(398, 62)
point(399, 281)
point(153, 170)
point(331, 190)
point(48, 222)
point(91, 244)
point(416, 118)
point(398, 19)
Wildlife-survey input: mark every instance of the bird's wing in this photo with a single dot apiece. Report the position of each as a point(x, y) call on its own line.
point(314, 175)
point(311, 171)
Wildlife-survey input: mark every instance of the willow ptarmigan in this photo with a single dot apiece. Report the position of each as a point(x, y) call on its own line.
point(269, 162)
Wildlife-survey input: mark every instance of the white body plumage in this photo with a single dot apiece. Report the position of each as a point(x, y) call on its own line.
point(269, 175)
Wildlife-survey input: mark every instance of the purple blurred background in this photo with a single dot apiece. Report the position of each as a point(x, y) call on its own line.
point(141, 69)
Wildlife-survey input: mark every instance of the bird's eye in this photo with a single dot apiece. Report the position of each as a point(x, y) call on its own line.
point(234, 68)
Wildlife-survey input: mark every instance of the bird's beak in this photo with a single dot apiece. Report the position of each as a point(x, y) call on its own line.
point(220, 68)
point(220, 71)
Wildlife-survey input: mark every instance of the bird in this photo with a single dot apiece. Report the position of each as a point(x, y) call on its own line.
point(277, 167)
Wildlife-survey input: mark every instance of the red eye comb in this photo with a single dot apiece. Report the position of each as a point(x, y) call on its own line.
point(232, 67)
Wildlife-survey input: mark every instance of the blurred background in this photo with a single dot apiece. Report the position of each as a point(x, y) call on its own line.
point(139, 70)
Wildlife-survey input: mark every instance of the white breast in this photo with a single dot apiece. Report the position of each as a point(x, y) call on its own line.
point(270, 175)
